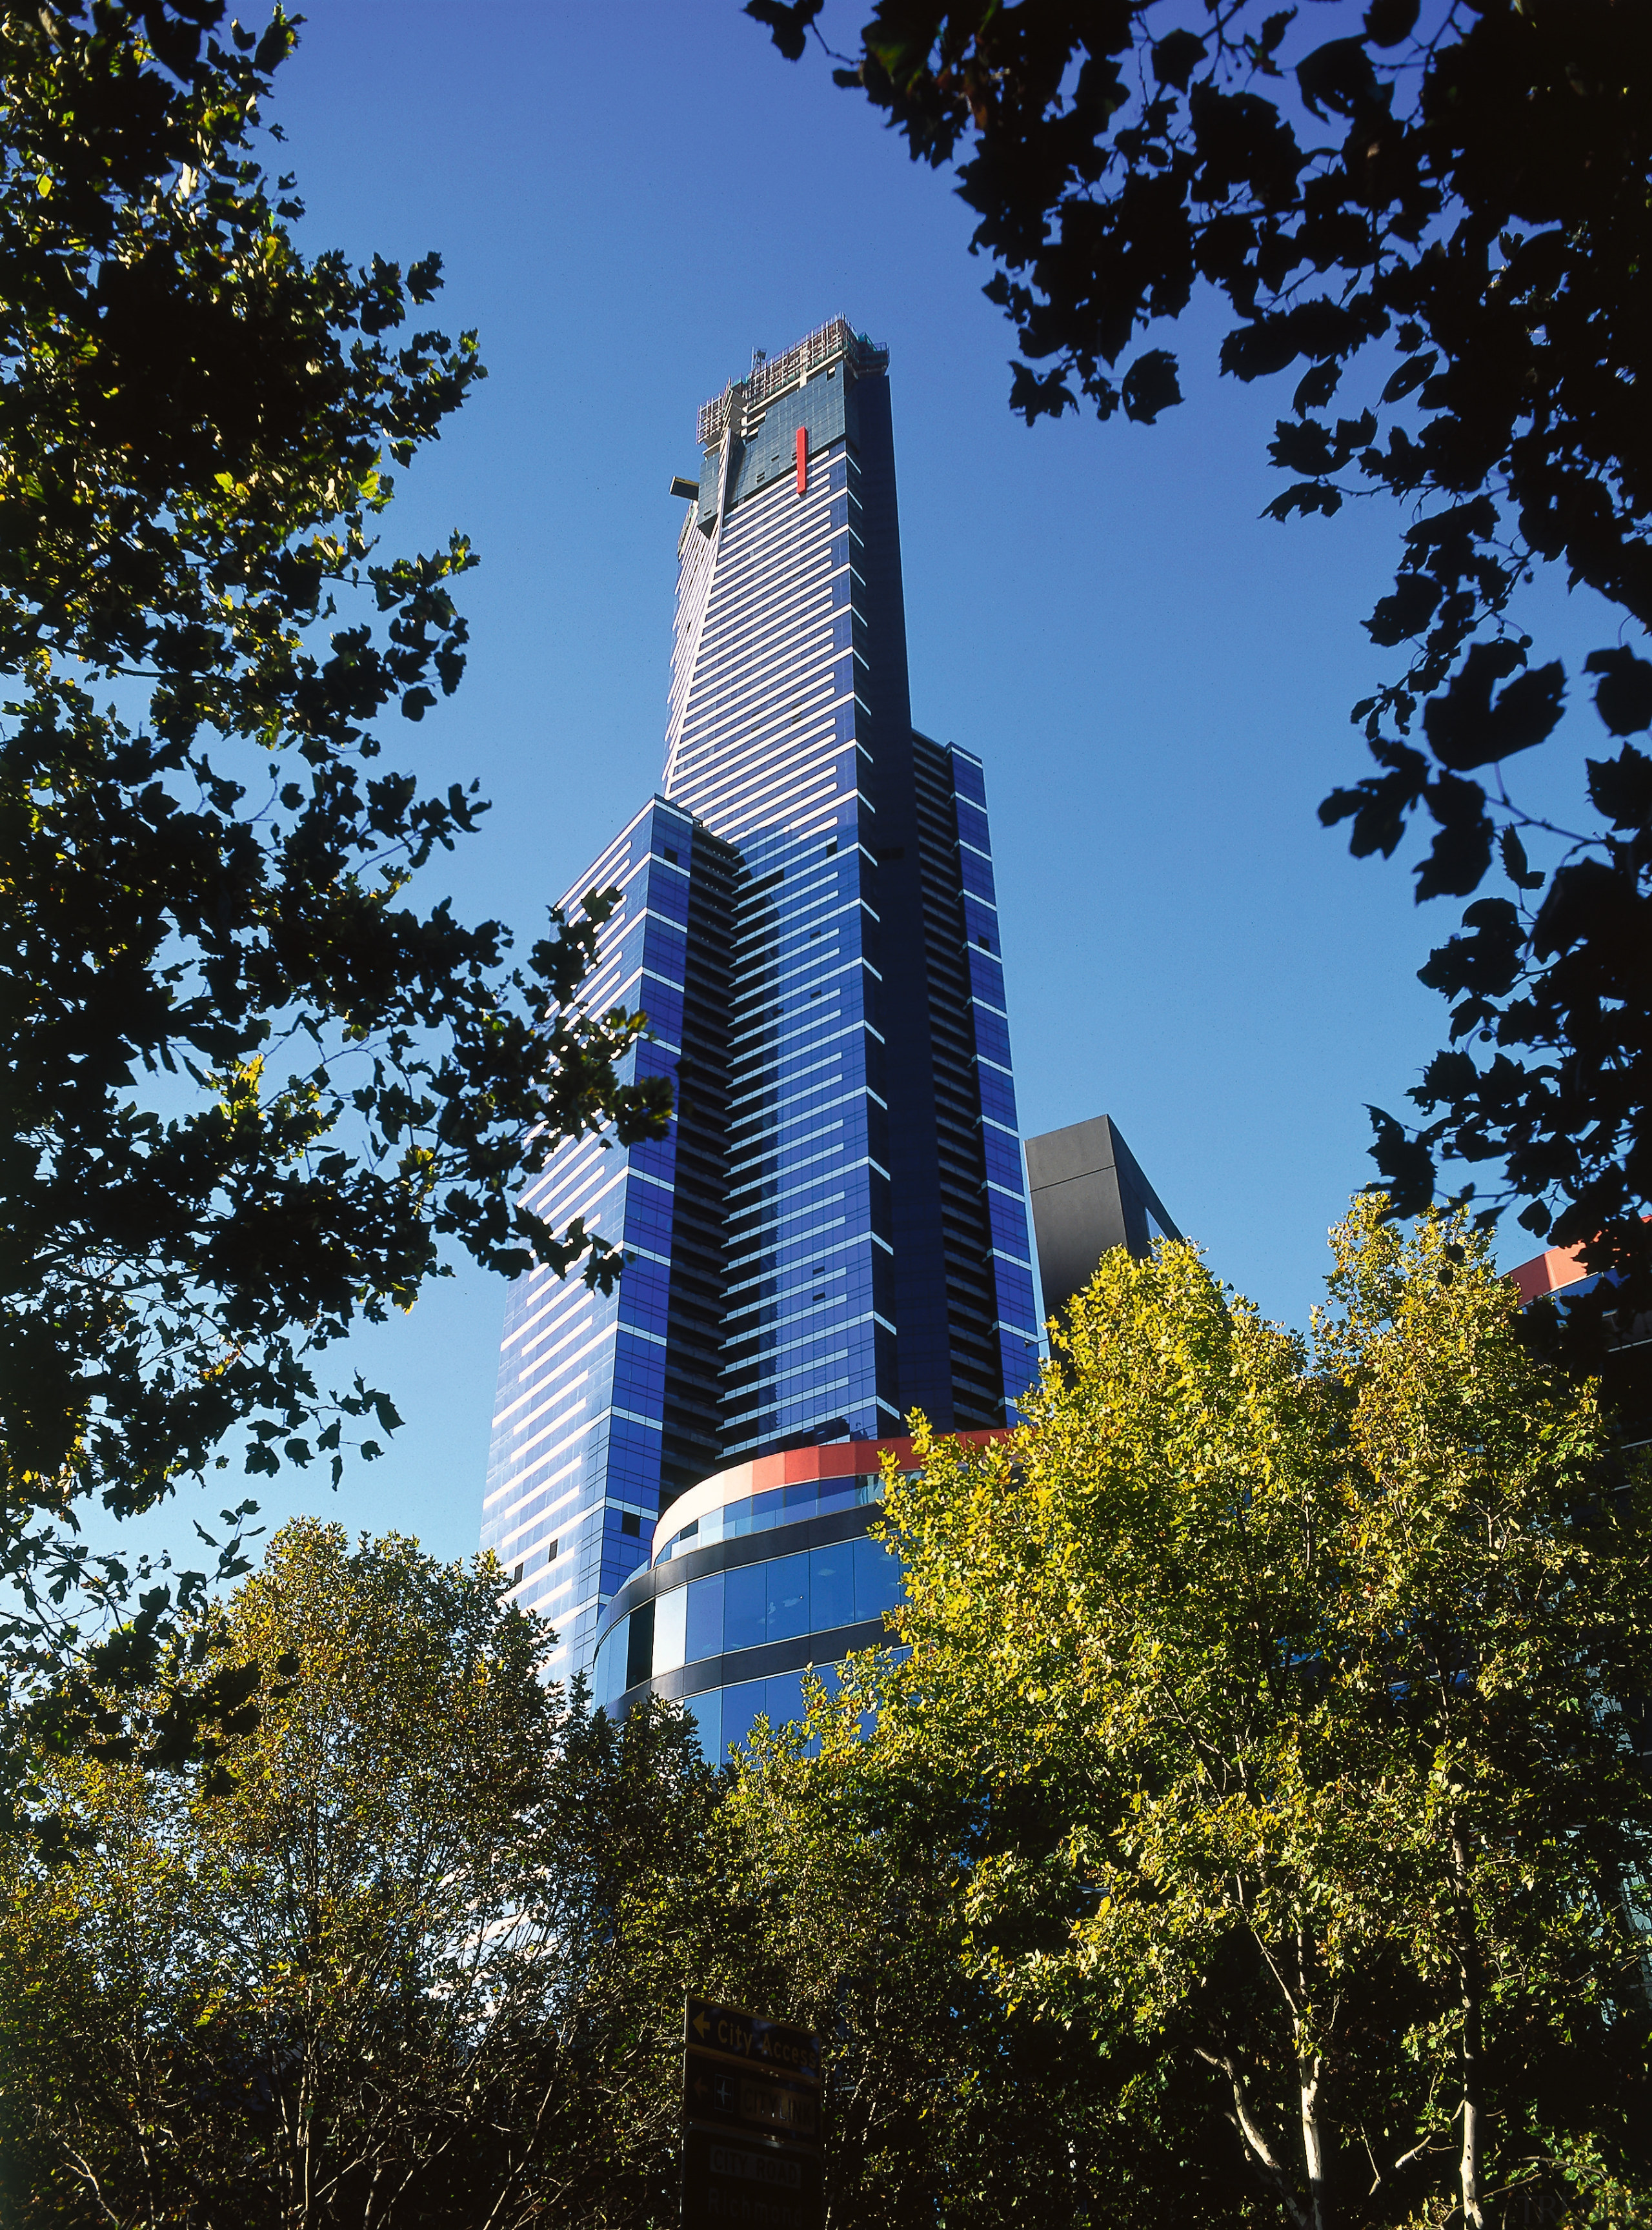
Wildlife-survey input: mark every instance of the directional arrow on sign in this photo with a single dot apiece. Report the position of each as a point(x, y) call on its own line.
point(702, 2026)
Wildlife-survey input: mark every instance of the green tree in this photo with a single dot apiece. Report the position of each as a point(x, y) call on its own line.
point(365, 1969)
point(1440, 219)
point(1289, 1681)
point(845, 1902)
point(248, 1088)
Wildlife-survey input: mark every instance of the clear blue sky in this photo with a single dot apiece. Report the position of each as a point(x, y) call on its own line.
point(629, 198)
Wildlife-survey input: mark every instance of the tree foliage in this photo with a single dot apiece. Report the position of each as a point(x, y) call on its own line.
point(1281, 1691)
point(249, 1088)
point(365, 1969)
point(946, 2099)
point(1438, 222)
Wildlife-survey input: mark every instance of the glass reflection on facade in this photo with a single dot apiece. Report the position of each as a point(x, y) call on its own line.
point(835, 1232)
point(765, 1571)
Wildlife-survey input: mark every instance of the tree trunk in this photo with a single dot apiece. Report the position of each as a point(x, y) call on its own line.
point(1309, 2065)
point(1307, 2075)
point(1469, 1997)
point(1254, 2141)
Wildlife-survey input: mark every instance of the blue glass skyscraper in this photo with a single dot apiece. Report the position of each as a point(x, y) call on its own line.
point(835, 1231)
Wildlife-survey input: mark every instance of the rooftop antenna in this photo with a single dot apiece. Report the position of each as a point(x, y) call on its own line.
point(759, 356)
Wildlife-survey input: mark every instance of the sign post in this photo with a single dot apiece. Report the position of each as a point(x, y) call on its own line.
point(752, 2156)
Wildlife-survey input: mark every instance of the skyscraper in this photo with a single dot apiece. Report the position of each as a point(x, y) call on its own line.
point(834, 1232)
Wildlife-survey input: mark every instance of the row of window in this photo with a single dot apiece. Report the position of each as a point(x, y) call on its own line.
point(782, 1599)
point(724, 1716)
point(776, 1506)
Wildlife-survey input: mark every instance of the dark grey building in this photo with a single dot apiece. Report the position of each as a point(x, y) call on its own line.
point(1088, 1195)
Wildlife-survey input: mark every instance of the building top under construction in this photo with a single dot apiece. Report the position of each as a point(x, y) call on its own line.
point(745, 400)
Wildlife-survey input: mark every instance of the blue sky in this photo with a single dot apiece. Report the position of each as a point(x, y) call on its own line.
point(630, 196)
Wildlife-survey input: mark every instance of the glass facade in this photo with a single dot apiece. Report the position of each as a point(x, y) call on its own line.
point(766, 1571)
point(835, 1232)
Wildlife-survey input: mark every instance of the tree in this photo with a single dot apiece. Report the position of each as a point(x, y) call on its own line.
point(364, 1969)
point(249, 1089)
point(1292, 1684)
point(1440, 216)
point(846, 1904)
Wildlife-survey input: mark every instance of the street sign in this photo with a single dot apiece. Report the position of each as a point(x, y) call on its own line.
point(777, 2044)
point(718, 2089)
point(730, 2185)
point(751, 2122)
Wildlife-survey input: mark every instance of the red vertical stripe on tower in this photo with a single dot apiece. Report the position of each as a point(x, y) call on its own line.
point(803, 460)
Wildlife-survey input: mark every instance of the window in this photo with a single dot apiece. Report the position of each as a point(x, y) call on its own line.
point(703, 1637)
point(671, 855)
point(639, 1644)
point(745, 1607)
point(741, 1705)
point(832, 1585)
point(788, 1596)
point(706, 1710)
point(632, 1523)
point(877, 1578)
point(670, 1629)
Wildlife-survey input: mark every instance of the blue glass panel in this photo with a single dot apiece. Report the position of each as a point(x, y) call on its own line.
point(705, 1631)
point(607, 1676)
point(997, 1096)
point(1008, 1220)
point(670, 1611)
point(977, 874)
point(971, 826)
point(1003, 1157)
point(741, 1705)
point(966, 777)
point(706, 1711)
point(1014, 1291)
point(788, 1596)
point(784, 1700)
point(745, 1607)
point(991, 1036)
point(832, 1585)
point(986, 976)
point(877, 1578)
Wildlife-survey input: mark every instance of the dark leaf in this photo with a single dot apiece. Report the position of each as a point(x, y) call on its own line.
point(1150, 386)
point(1463, 728)
point(1410, 375)
point(1624, 695)
point(1174, 56)
point(1407, 612)
point(1315, 388)
point(1406, 1163)
point(788, 26)
point(1515, 865)
point(1460, 853)
point(1390, 23)
point(1622, 788)
point(1338, 76)
point(1038, 394)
